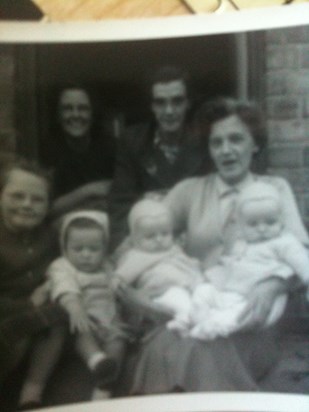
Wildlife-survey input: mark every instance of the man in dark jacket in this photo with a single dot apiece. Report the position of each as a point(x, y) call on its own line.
point(154, 156)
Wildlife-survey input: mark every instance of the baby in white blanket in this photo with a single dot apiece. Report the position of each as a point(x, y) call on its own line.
point(266, 249)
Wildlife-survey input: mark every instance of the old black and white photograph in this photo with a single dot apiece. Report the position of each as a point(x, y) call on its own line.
point(154, 207)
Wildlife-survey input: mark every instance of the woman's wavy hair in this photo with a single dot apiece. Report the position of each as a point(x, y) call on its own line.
point(220, 108)
point(247, 111)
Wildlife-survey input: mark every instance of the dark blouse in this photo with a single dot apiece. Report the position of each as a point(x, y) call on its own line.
point(24, 259)
point(74, 169)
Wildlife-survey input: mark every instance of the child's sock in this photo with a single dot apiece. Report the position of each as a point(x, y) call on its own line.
point(100, 394)
point(31, 393)
point(95, 359)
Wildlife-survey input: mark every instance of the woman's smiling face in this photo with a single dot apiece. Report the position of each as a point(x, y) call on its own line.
point(231, 147)
point(24, 200)
point(75, 112)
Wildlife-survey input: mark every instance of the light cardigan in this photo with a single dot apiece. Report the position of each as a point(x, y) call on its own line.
point(95, 292)
point(156, 272)
point(199, 208)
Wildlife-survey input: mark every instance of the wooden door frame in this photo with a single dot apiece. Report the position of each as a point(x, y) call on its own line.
point(27, 101)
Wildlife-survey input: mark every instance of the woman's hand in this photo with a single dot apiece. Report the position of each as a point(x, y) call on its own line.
point(77, 197)
point(137, 303)
point(260, 302)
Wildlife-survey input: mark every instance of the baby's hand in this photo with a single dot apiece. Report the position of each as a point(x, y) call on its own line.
point(40, 295)
point(79, 320)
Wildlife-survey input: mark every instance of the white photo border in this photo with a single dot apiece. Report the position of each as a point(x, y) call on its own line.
point(158, 28)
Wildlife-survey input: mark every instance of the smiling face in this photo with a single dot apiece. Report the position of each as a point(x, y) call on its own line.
point(170, 105)
point(153, 234)
point(231, 147)
point(85, 248)
point(24, 200)
point(260, 220)
point(75, 112)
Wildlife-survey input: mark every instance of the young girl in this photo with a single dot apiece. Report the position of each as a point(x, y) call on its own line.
point(265, 249)
point(27, 246)
point(80, 281)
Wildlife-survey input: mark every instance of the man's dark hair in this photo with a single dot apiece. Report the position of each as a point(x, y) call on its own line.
point(166, 74)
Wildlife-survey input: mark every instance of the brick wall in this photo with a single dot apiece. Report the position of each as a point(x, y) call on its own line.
point(287, 108)
point(7, 102)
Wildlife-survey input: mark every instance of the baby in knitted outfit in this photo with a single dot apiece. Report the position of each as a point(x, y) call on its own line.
point(80, 280)
point(155, 264)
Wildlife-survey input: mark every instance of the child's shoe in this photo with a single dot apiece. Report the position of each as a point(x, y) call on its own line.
point(100, 394)
point(105, 371)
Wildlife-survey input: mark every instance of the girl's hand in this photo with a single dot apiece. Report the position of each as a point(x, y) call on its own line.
point(40, 295)
point(260, 302)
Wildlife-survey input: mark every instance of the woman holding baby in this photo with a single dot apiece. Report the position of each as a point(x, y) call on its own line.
point(204, 208)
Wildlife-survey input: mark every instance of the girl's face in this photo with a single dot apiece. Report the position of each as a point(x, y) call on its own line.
point(231, 147)
point(24, 200)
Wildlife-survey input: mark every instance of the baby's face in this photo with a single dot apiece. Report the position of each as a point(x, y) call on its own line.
point(260, 220)
point(85, 249)
point(153, 234)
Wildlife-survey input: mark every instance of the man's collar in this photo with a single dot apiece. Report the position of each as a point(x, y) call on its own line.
point(226, 189)
point(176, 140)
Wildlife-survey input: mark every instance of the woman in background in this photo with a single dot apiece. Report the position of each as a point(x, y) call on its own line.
point(82, 158)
